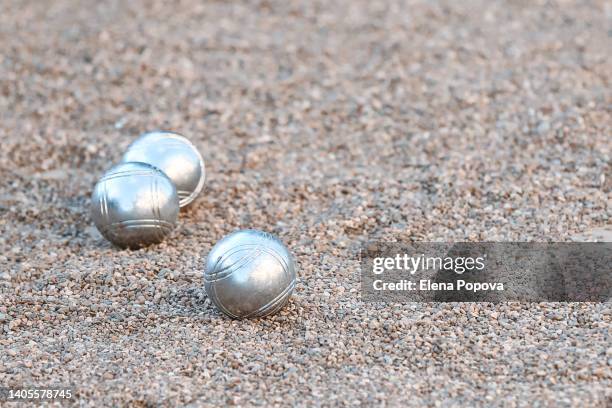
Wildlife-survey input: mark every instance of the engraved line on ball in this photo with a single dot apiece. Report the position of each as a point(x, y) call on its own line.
point(270, 305)
point(129, 173)
point(272, 309)
point(156, 212)
point(216, 273)
point(183, 193)
point(247, 257)
point(152, 195)
point(104, 204)
point(274, 306)
point(148, 169)
point(212, 290)
point(130, 224)
point(114, 232)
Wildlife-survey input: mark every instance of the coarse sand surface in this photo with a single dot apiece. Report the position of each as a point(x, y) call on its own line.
point(327, 123)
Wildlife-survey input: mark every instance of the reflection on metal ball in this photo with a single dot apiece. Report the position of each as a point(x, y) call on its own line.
point(176, 156)
point(134, 204)
point(249, 274)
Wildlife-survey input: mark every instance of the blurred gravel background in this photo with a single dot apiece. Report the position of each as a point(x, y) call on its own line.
point(327, 123)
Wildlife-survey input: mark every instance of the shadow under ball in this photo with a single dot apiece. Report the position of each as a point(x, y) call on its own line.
point(134, 204)
point(176, 156)
point(249, 273)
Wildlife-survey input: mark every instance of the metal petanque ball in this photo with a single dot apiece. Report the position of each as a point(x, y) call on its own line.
point(176, 156)
point(134, 204)
point(249, 273)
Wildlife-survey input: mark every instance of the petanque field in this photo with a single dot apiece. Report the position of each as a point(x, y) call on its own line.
point(328, 124)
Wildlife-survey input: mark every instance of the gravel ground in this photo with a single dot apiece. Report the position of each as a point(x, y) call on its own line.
point(328, 124)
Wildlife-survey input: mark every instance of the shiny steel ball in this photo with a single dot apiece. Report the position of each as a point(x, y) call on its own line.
point(249, 273)
point(134, 204)
point(174, 155)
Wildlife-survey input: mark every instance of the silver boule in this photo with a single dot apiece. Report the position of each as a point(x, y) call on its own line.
point(249, 273)
point(176, 156)
point(134, 204)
